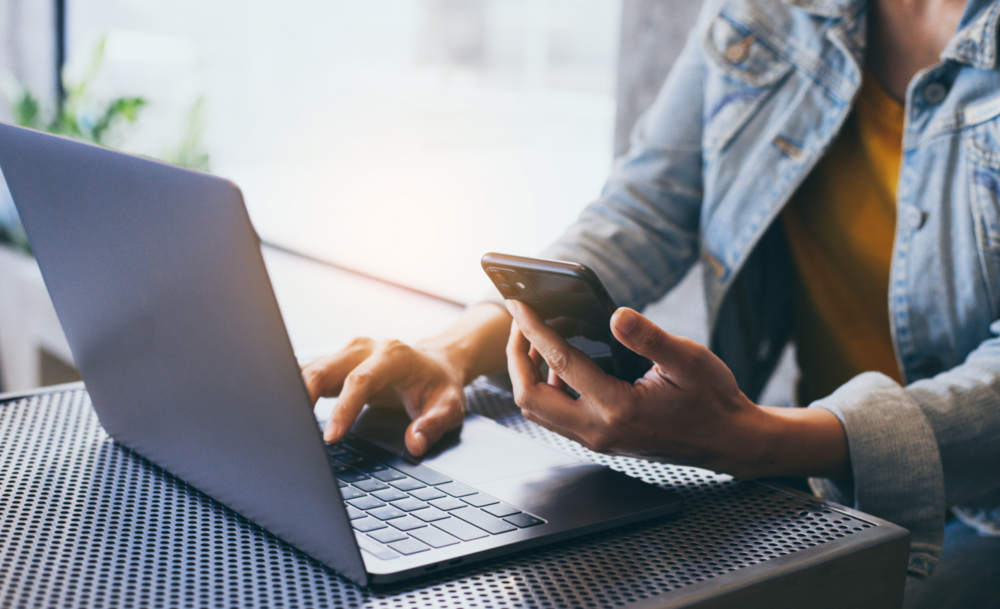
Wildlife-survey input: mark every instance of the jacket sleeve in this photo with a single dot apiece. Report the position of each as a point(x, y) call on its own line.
point(919, 449)
point(641, 235)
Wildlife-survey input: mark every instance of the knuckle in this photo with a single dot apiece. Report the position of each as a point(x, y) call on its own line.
point(360, 377)
point(310, 373)
point(522, 399)
point(613, 417)
point(399, 351)
point(652, 340)
point(557, 360)
point(360, 343)
point(392, 346)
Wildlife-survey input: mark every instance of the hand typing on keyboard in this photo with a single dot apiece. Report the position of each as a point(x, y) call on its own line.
point(426, 379)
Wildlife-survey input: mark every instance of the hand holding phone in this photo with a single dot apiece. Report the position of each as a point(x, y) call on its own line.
point(572, 301)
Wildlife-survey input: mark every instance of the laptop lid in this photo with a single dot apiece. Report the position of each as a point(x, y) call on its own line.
point(156, 276)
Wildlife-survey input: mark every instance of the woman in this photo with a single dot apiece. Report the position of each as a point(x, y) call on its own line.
point(824, 158)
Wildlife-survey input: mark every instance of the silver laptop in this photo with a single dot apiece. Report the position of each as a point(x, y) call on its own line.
point(157, 277)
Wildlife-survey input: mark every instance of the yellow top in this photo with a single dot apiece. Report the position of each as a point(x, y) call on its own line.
point(840, 227)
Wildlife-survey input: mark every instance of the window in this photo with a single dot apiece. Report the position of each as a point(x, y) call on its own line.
point(401, 138)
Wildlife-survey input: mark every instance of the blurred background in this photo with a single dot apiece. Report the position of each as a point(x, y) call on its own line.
point(399, 139)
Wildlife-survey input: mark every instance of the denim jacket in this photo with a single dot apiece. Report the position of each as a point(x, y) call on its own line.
point(755, 99)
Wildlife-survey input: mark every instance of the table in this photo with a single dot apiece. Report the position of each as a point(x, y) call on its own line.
point(85, 522)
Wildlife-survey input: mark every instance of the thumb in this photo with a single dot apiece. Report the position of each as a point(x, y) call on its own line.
point(639, 334)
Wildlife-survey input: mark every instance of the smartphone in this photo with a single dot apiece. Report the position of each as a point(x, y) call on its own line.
point(572, 301)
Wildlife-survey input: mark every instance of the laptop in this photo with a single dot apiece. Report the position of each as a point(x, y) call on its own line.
point(158, 281)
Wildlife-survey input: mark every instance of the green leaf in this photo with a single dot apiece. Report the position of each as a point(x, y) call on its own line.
point(27, 111)
point(123, 108)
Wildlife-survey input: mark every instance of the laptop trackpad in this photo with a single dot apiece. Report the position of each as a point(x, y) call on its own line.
point(480, 451)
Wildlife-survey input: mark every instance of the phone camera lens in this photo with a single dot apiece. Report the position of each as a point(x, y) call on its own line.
point(507, 291)
point(498, 276)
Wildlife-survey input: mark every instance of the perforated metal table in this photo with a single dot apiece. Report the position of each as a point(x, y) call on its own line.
point(85, 522)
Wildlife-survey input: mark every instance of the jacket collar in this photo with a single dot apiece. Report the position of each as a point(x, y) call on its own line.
point(976, 40)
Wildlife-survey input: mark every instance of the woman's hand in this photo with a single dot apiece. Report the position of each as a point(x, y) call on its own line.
point(426, 379)
point(687, 409)
point(389, 373)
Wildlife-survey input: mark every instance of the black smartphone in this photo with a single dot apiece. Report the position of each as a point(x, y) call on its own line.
point(571, 300)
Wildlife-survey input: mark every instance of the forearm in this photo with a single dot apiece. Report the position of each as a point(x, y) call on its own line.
point(475, 343)
point(803, 442)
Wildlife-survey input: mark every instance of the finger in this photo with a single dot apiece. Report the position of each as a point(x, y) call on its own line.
point(325, 376)
point(442, 414)
point(569, 363)
point(638, 333)
point(533, 395)
point(386, 365)
point(522, 369)
point(536, 359)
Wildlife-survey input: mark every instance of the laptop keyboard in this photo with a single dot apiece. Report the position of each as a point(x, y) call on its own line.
point(400, 508)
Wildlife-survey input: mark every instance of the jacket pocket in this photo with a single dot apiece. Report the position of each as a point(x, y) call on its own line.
point(981, 145)
point(742, 69)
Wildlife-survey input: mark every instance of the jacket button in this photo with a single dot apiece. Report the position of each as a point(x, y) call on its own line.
point(914, 217)
point(935, 93)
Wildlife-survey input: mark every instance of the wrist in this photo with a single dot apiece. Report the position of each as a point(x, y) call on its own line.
point(803, 442)
point(473, 345)
point(747, 451)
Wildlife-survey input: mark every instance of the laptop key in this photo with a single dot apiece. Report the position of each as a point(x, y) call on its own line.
point(409, 546)
point(459, 528)
point(501, 509)
point(430, 514)
point(366, 503)
point(387, 535)
point(390, 494)
point(484, 521)
point(447, 503)
point(350, 458)
point(335, 450)
point(407, 523)
point(349, 492)
point(386, 513)
point(371, 485)
point(388, 475)
point(456, 489)
point(341, 483)
point(406, 484)
point(479, 500)
point(524, 520)
point(409, 504)
point(435, 538)
point(367, 524)
point(351, 476)
point(427, 493)
point(354, 513)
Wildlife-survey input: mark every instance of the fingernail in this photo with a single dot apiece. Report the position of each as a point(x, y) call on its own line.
point(625, 320)
point(421, 442)
point(511, 307)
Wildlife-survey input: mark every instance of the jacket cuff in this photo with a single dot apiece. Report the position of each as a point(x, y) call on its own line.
point(895, 461)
